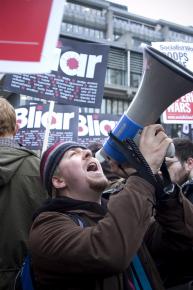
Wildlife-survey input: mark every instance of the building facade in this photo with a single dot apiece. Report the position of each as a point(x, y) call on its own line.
point(105, 22)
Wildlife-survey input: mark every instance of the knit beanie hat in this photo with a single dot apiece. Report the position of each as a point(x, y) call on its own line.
point(51, 158)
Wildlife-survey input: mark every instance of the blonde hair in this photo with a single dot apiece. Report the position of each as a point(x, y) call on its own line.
point(7, 118)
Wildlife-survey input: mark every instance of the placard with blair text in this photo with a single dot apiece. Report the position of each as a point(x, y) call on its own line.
point(32, 121)
point(77, 77)
point(67, 124)
point(95, 127)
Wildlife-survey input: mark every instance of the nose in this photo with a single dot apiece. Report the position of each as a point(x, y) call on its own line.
point(87, 153)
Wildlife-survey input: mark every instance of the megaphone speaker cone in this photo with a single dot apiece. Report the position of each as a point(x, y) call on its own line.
point(163, 82)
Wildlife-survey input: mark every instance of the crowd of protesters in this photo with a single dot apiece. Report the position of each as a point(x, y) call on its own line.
point(103, 227)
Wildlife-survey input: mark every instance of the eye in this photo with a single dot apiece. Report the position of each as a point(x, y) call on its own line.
point(72, 153)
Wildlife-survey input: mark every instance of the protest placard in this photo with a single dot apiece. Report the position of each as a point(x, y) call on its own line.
point(77, 76)
point(181, 111)
point(29, 34)
point(95, 127)
point(66, 125)
point(32, 121)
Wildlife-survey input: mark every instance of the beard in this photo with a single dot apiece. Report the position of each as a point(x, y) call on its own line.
point(99, 184)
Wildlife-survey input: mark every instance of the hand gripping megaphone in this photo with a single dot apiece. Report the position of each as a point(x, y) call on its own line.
point(163, 82)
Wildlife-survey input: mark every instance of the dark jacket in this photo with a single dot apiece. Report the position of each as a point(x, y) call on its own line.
point(170, 240)
point(21, 194)
point(97, 256)
point(187, 189)
point(170, 235)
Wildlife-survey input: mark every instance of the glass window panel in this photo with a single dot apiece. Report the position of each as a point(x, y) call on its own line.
point(91, 110)
point(115, 77)
point(125, 106)
point(92, 32)
point(108, 109)
point(135, 80)
point(114, 107)
point(120, 107)
point(103, 106)
point(69, 27)
point(97, 111)
point(80, 29)
point(107, 79)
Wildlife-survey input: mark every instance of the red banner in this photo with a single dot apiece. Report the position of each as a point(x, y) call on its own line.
point(29, 32)
point(180, 112)
point(19, 37)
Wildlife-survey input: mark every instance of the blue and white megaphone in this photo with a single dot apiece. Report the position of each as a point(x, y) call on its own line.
point(163, 82)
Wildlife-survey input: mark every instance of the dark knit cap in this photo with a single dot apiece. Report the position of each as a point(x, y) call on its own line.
point(51, 158)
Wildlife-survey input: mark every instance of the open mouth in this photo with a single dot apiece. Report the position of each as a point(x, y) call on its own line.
point(92, 167)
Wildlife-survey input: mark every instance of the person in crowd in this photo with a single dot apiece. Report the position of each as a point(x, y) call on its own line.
point(21, 193)
point(181, 166)
point(99, 250)
point(175, 266)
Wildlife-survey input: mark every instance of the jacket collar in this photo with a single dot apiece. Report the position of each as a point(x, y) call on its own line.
point(66, 204)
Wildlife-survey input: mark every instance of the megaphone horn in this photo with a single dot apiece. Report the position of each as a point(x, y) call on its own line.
point(163, 82)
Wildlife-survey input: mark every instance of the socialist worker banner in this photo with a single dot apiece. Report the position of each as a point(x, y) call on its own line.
point(181, 111)
point(77, 77)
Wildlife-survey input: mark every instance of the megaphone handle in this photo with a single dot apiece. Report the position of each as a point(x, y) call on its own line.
point(136, 159)
point(170, 150)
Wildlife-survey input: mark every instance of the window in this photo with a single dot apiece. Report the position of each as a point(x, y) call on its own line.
point(117, 67)
point(174, 35)
point(115, 77)
point(109, 106)
point(135, 80)
point(77, 29)
point(136, 67)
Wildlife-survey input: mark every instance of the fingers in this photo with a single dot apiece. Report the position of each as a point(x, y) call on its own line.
point(151, 130)
point(165, 141)
point(156, 134)
point(153, 145)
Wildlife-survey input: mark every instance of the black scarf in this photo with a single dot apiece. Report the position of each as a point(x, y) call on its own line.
point(64, 204)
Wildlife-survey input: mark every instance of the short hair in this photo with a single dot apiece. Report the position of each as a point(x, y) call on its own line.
point(183, 149)
point(7, 118)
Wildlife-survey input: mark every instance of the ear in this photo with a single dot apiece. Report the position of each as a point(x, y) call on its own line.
point(16, 128)
point(190, 163)
point(58, 182)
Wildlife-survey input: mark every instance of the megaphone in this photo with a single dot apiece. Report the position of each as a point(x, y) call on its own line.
point(163, 82)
